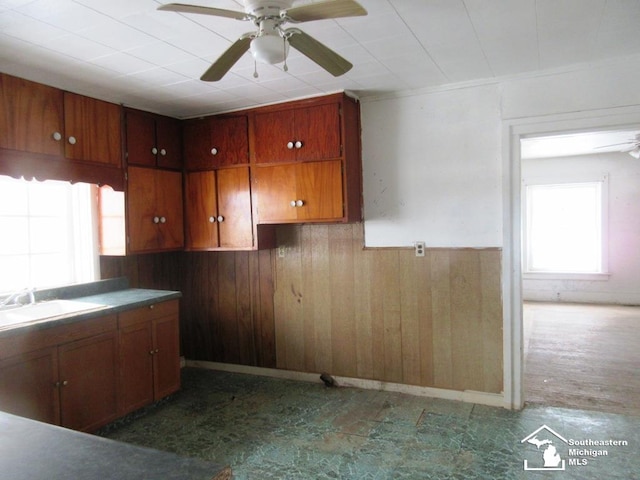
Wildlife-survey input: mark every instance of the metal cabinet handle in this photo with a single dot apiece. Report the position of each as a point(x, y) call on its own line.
point(57, 136)
point(72, 140)
point(154, 150)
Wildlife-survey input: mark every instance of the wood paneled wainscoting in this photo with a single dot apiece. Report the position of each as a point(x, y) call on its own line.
point(331, 306)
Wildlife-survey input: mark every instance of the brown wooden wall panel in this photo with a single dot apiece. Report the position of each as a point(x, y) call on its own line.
point(331, 306)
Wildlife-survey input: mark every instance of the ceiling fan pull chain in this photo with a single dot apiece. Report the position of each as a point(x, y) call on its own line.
point(255, 69)
point(284, 48)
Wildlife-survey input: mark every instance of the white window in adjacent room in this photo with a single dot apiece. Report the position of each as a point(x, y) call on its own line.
point(48, 234)
point(566, 228)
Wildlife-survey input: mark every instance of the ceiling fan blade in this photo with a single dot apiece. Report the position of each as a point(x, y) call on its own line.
point(218, 12)
point(316, 51)
point(227, 60)
point(629, 142)
point(325, 10)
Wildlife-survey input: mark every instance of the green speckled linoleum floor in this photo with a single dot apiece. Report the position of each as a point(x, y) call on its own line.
point(268, 428)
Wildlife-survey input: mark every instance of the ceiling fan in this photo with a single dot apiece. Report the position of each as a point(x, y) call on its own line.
point(270, 43)
point(631, 146)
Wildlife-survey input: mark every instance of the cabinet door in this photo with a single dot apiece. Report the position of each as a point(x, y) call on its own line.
point(169, 207)
point(168, 143)
point(92, 129)
point(88, 376)
point(229, 143)
point(275, 190)
point(30, 116)
point(28, 385)
point(166, 358)
point(318, 130)
point(201, 210)
point(273, 132)
point(141, 209)
point(136, 358)
point(319, 186)
point(141, 138)
point(234, 208)
point(196, 145)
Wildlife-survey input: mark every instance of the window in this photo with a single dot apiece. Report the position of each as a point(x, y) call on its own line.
point(48, 234)
point(566, 227)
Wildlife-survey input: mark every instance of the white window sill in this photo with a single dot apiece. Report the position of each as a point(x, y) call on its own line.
point(565, 276)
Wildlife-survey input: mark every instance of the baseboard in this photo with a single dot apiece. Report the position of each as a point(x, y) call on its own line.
point(469, 396)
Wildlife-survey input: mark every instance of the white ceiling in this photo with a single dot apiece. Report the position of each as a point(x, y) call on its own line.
point(582, 143)
point(128, 52)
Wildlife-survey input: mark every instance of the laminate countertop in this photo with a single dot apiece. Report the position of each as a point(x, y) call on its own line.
point(31, 450)
point(104, 297)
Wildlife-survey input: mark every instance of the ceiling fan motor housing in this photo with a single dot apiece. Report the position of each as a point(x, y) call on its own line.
point(266, 8)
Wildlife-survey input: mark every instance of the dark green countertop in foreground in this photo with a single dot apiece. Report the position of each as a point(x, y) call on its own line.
point(113, 296)
point(31, 450)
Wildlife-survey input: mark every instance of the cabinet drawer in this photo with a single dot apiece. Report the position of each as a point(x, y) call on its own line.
point(148, 312)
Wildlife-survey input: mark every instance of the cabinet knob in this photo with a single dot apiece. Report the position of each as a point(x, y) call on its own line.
point(65, 383)
point(151, 352)
point(72, 140)
point(163, 152)
point(156, 350)
point(290, 145)
point(151, 307)
point(220, 218)
point(299, 203)
point(154, 150)
point(57, 136)
point(214, 151)
point(156, 219)
point(212, 219)
point(163, 219)
point(292, 203)
point(298, 144)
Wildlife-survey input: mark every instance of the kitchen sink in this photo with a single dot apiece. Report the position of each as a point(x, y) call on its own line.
point(44, 311)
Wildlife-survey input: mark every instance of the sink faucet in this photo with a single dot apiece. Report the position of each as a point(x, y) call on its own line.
point(14, 298)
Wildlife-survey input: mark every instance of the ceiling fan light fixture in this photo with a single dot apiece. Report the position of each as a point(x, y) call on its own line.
point(269, 49)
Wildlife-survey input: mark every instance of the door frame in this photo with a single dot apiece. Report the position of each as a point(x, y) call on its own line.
point(513, 130)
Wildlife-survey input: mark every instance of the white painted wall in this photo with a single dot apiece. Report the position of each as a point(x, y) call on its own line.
point(623, 283)
point(432, 161)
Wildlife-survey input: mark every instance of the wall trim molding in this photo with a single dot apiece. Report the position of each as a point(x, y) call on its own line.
point(468, 396)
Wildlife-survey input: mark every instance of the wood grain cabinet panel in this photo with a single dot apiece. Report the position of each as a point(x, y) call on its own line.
point(150, 354)
point(31, 116)
point(153, 140)
point(92, 130)
point(218, 209)
point(88, 378)
point(70, 383)
point(303, 192)
point(217, 141)
point(154, 210)
point(28, 385)
point(301, 134)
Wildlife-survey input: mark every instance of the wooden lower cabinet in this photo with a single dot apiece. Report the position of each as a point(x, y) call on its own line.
point(149, 354)
point(28, 385)
point(85, 375)
point(73, 384)
point(88, 382)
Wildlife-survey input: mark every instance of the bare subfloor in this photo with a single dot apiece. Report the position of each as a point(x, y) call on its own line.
point(583, 356)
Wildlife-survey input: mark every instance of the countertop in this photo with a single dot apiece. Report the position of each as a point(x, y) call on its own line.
point(112, 296)
point(31, 450)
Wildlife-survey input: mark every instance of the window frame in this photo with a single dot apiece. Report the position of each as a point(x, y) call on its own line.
point(573, 179)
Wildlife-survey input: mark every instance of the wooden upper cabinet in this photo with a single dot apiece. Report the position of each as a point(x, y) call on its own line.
point(153, 140)
point(218, 209)
point(302, 192)
point(31, 116)
point(300, 134)
point(154, 210)
point(92, 130)
point(217, 141)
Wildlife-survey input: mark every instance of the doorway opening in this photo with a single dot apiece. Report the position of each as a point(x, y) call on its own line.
point(580, 254)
